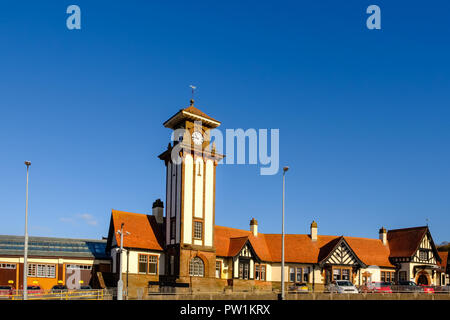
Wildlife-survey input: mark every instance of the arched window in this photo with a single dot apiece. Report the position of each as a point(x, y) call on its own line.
point(196, 267)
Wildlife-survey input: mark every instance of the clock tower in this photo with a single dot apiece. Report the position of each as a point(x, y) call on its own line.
point(191, 163)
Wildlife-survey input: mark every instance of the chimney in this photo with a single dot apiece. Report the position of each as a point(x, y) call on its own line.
point(158, 210)
point(383, 235)
point(254, 227)
point(313, 233)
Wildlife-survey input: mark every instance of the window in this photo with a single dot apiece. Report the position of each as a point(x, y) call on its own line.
point(152, 264)
point(172, 265)
point(292, 274)
point(443, 280)
point(147, 264)
point(143, 263)
point(402, 275)
point(342, 274)
point(299, 275)
point(390, 276)
point(41, 270)
point(196, 267)
point(423, 255)
point(78, 267)
point(383, 276)
point(198, 230)
point(7, 266)
point(31, 270)
point(246, 270)
point(172, 229)
point(260, 272)
point(345, 274)
point(306, 274)
point(218, 269)
point(337, 274)
point(263, 273)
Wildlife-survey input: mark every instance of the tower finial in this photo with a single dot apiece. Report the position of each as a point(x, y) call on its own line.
point(193, 90)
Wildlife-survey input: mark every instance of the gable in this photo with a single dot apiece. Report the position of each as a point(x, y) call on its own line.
point(342, 254)
point(404, 242)
point(245, 251)
point(425, 252)
point(242, 248)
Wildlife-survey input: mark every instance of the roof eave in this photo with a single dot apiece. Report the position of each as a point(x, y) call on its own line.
point(183, 114)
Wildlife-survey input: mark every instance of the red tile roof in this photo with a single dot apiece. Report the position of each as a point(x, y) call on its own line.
point(145, 233)
point(236, 245)
point(404, 242)
point(226, 242)
point(444, 258)
point(299, 248)
point(371, 251)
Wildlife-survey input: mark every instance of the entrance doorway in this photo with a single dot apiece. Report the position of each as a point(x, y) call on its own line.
point(244, 268)
point(422, 280)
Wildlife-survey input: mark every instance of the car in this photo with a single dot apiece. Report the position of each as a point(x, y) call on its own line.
point(59, 288)
point(376, 287)
point(299, 288)
point(342, 286)
point(442, 289)
point(85, 287)
point(6, 292)
point(34, 290)
point(406, 286)
point(427, 289)
point(446, 288)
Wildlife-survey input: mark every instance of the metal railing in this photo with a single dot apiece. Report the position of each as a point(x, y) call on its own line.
point(94, 294)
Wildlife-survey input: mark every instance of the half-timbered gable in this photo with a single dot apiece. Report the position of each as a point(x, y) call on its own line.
point(426, 251)
point(244, 258)
point(412, 245)
point(342, 254)
point(415, 255)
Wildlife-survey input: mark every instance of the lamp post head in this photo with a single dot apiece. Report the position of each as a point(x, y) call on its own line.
point(285, 169)
point(27, 163)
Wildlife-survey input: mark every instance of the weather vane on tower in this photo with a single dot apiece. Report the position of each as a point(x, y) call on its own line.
point(193, 90)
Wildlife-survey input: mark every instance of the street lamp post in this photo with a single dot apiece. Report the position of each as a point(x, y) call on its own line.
point(25, 254)
point(282, 238)
point(120, 282)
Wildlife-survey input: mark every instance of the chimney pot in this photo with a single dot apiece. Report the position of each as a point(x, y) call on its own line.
point(313, 232)
point(383, 235)
point(254, 227)
point(158, 210)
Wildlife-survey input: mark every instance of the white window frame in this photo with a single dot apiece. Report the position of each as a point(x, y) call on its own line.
point(198, 230)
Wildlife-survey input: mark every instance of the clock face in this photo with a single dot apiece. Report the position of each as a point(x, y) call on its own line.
point(197, 137)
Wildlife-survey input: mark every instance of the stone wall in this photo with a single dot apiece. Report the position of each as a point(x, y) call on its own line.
point(137, 284)
point(308, 296)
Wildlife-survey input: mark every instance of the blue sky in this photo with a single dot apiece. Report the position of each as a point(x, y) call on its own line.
point(363, 114)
